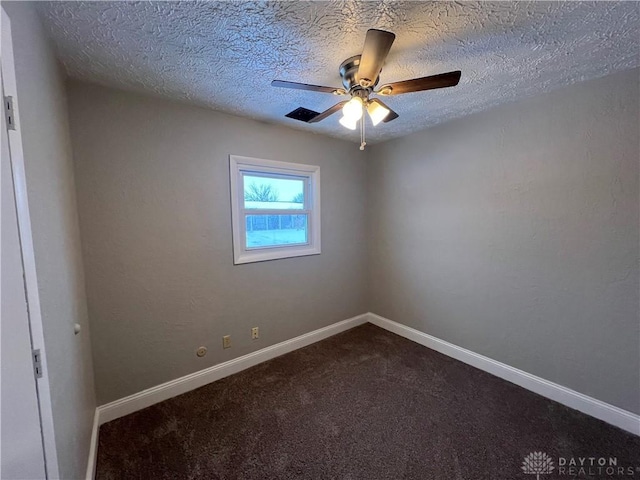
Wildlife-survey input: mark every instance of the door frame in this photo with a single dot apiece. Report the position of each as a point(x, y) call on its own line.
point(28, 255)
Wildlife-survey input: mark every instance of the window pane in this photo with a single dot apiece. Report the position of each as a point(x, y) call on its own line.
point(276, 193)
point(274, 230)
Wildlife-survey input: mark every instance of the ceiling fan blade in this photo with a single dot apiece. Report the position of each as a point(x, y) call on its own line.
point(327, 112)
point(391, 115)
point(306, 86)
point(376, 48)
point(442, 80)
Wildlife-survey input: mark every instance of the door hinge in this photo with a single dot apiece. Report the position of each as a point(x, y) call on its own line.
point(37, 363)
point(8, 113)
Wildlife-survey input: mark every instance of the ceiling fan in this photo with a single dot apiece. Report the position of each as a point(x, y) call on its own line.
point(360, 75)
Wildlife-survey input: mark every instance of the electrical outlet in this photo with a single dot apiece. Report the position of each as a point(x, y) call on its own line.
point(226, 341)
point(255, 333)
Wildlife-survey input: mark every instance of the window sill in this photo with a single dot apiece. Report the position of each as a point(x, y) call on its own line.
point(264, 255)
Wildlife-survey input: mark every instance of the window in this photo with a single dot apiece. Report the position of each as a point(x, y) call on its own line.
point(275, 209)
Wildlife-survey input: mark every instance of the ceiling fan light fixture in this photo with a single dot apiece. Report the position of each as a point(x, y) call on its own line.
point(349, 123)
point(352, 110)
point(377, 112)
point(360, 74)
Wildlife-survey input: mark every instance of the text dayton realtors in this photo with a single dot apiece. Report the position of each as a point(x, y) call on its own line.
point(592, 466)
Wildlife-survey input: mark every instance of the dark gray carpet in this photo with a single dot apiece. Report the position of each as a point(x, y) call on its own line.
point(365, 404)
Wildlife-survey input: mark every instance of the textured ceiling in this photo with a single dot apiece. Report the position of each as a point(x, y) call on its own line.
point(224, 54)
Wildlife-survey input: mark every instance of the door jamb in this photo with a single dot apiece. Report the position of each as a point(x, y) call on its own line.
point(28, 255)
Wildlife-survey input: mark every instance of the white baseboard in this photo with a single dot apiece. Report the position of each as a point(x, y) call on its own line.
point(151, 396)
point(603, 411)
point(93, 447)
point(146, 398)
point(125, 406)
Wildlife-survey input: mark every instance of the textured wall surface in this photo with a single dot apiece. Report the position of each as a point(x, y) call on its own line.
point(56, 237)
point(514, 233)
point(154, 203)
point(225, 54)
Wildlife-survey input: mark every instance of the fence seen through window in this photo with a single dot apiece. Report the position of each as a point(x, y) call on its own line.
point(274, 193)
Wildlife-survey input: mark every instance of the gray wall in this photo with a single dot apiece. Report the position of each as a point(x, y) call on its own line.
point(514, 233)
point(52, 204)
point(153, 188)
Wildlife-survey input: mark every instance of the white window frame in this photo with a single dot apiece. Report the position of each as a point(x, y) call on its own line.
point(238, 167)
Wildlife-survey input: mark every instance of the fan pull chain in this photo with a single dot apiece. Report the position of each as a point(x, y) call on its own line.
point(362, 141)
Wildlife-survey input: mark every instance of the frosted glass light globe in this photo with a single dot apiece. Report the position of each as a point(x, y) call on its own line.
point(353, 109)
point(349, 123)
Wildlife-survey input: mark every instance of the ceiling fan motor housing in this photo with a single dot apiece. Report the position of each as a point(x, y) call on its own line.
point(348, 72)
